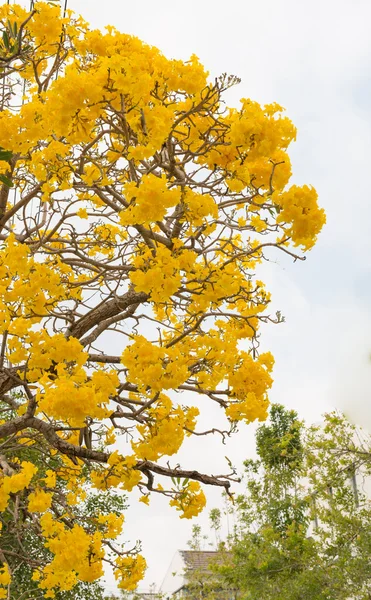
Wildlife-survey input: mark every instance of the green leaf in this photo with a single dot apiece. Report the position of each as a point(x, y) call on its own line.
point(6, 40)
point(6, 181)
point(11, 28)
point(5, 155)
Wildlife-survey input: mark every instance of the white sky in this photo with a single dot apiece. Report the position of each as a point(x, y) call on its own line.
point(314, 58)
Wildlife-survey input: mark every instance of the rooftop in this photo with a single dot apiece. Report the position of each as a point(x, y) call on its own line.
point(201, 559)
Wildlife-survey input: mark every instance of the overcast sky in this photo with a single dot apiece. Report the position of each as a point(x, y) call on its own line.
point(314, 58)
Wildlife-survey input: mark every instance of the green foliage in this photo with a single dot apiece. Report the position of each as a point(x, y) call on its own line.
point(6, 156)
point(302, 532)
point(272, 480)
point(279, 444)
point(9, 39)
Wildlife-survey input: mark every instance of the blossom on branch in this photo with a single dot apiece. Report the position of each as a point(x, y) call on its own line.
point(141, 206)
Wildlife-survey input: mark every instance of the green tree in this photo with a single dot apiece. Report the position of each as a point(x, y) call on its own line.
point(303, 526)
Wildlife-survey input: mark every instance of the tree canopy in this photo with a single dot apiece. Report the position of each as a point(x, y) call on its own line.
point(135, 207)
point(303, 525)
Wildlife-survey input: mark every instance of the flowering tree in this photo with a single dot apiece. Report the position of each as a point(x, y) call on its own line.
point(139, 210)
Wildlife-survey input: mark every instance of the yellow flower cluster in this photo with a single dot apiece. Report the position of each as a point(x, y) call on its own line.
point(112, 524)
point(129, 571)
point(50, 478)
point(77, 556)
point(156, 368)
point(299, 212)
point(71, 397)
point(46, 26)
point(149, 201)
point(11, 484)
point(164, 433)
point(39, 501)
point(257, 137)
point(190, 500)
point(120, 473)
point(29, 290)
point(249, 383)
point(223, 282)
point(5, 579)
point(153, 366)
point(198, 207)
point(104, 238)
point(66, 391)
point(47, 350)
point(157, 275)
point(79, 98)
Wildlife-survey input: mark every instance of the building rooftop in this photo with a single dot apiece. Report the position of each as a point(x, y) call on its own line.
point(201, 559)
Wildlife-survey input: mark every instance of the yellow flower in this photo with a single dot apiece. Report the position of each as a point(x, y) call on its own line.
point(300, 215)
point(190, 500)
point(82, 213)
point(50, 478)
point(4, 575)
point(129, 571)
point(39, 501)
